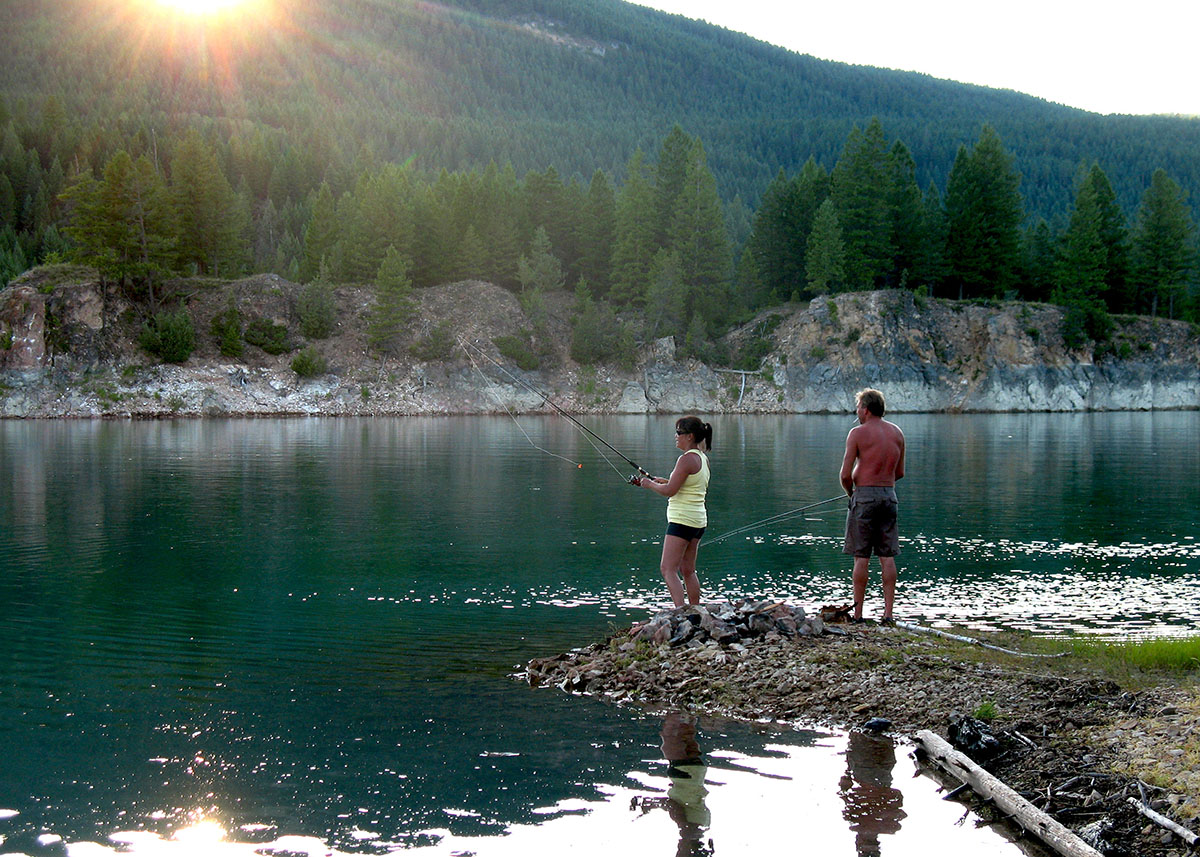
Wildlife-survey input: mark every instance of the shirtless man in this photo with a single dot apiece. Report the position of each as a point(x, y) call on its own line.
point(874, 461)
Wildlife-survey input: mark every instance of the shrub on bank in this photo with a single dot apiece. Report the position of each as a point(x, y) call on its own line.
point(270, 337)
point(169, 336)
point(309, 363)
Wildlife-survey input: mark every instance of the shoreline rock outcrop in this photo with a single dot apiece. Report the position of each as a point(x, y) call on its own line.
point(69, 348)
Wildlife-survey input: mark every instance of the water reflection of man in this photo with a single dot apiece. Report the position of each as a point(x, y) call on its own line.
point(873, 807)
point(685, 798)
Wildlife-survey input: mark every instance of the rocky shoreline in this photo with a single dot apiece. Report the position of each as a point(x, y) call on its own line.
point(69, 348)
point(1074, 741)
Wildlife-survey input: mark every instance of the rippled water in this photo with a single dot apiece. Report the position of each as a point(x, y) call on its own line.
point(298, 635)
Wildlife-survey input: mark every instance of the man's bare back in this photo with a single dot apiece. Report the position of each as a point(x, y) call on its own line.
point(874, 453)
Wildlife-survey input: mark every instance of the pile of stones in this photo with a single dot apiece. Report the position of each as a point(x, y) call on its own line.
point(727, 623)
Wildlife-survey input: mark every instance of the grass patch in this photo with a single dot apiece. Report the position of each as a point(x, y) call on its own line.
point(1177, 654)
point(985, 711)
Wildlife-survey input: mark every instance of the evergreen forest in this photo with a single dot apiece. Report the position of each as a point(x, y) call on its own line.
point(676, 177)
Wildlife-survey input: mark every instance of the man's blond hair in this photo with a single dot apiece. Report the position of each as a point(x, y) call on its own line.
point(870, 399)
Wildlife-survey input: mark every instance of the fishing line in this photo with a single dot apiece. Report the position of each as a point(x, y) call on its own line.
point(545, 398)
point(782, 516)
point(512, 416)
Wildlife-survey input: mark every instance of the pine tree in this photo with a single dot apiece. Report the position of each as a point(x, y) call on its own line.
point(1114, 235)
point(1080, 275)
point(123, 225)
point(498, 223)
point(1162, 245)
point(471, 259)
point(907, 210)
point(983, 214)
point(670, 176)
point(598, 232)
point(540, 270)
point(393, 303)
point(12, 257)
point(597, 335)
point(633, 251)
point(860, 190)
point(436, 240)
point(545, 207)
point(317, 307)
point(8, 203)
point(1040, 259)
point(931, 267)
point(268, 232)
point(698, 236)
point(826, 256)
point(665, 295)
point(209, 238)
point(357, 263)
point(776, 244)
point(320, 234)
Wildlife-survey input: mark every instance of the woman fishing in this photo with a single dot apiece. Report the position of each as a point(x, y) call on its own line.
point(686, 516)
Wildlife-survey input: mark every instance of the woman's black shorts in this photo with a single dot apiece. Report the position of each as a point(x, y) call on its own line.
point(684, 531)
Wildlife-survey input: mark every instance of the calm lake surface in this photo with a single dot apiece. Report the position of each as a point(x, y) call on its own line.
point(296, 637)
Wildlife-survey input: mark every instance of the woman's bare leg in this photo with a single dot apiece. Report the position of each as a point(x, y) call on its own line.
point(674, 549)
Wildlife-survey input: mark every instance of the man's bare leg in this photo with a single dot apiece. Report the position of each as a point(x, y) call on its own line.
point(887, 565)
point(860, 583)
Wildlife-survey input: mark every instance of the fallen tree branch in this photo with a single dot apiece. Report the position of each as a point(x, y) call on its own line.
point(1027, 742)
point(1164, 822)
point(1029, 817)
point(920, 629)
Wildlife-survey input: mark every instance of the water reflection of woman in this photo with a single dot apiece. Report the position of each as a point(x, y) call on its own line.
point(685, 798)
point(873, 807)
point(687, 517)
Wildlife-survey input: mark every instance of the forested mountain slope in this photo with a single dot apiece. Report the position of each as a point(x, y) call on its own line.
point(574, 84)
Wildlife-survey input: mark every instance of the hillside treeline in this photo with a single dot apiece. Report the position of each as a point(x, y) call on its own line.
point(654, 253)
point(323, 90)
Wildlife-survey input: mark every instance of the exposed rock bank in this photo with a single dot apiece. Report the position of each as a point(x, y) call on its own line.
point(68, 348)
point(1074, 742)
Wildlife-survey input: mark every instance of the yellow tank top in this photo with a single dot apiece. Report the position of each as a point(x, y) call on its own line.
point(687, 506)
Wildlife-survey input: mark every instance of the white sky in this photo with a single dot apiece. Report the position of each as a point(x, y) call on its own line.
point(1104, 56)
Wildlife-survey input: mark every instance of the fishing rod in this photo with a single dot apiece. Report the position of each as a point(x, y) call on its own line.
point(517, 422)
point(773, 519)
point(546, 398)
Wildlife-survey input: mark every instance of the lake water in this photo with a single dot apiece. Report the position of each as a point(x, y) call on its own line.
point(296, 637)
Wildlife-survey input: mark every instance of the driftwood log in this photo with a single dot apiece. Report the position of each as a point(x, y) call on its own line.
point(1030, 818)
point(1164, 822)
point(921, 629)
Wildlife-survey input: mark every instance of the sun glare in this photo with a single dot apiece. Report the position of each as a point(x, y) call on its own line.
point(201, 7)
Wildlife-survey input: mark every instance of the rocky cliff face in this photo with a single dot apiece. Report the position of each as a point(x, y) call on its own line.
point(67, 349)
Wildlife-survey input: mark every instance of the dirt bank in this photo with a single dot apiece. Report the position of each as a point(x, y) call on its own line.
point(1073, 740)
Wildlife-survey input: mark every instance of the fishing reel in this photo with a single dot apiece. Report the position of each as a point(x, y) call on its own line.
point(635, 479)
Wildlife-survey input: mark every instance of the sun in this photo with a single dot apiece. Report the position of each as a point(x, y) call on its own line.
point(201, 8)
